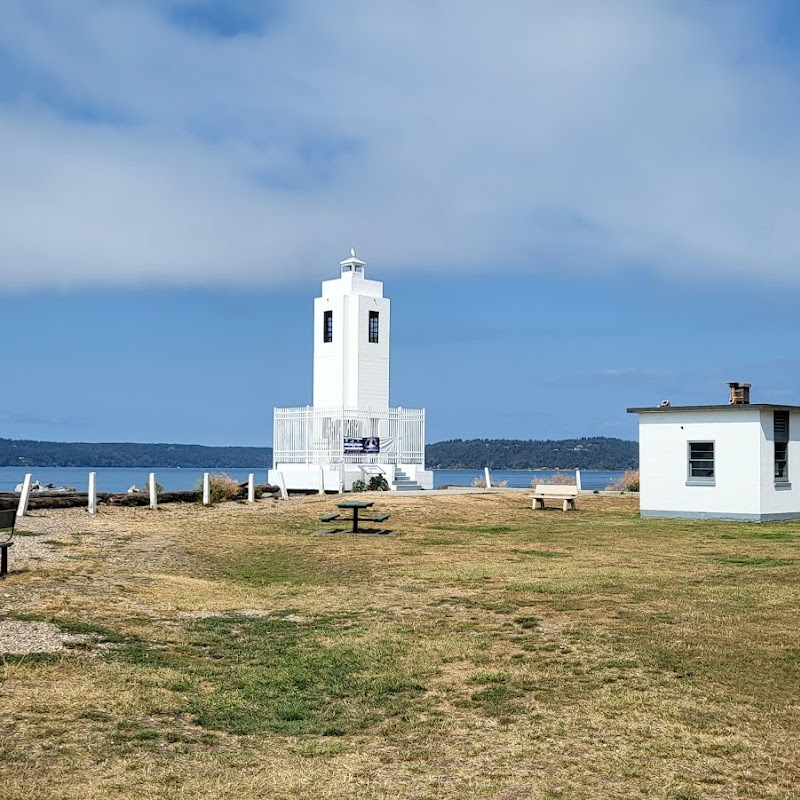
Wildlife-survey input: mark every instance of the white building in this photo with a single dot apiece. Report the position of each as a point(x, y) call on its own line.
point(350, 432)
point(734, 461)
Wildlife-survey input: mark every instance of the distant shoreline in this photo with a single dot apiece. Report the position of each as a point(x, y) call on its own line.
point(588, 453)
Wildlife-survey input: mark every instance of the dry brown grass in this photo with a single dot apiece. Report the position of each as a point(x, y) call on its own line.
point(588, 654)
point(480, 483)
point(629, 482)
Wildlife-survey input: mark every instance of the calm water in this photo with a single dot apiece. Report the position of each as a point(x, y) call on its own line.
point(521, 478)
point(118, 479)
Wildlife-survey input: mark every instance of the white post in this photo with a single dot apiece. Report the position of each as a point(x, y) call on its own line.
point(488, 477)
point(308, 435)
point(321, 480)
point(422, 442)
point(206, 488)
point(399, 448)
point(24, 496)
point(92, 492)
point(251, 488)
point(153, 495)
point(282, 486)
point(578, 479)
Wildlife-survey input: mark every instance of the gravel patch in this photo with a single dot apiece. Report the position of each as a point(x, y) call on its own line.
point(60, 521)
point(48, 526)
point(237, 612)
point(20, 638)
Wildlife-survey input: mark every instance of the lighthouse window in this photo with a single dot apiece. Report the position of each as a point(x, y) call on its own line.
point(327, 327)
point(373, 327)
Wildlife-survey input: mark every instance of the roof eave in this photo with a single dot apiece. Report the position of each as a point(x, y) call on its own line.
point(727, 407)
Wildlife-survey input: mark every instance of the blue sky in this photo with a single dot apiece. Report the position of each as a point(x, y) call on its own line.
point(575, 207)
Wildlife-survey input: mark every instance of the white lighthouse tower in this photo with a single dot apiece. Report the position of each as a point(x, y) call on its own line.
point(351, 432)
point(351, 341)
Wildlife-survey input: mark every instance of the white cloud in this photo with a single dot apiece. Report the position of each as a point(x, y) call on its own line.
point(447, 136)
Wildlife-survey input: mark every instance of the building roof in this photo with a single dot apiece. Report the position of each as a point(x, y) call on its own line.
point(726, 407)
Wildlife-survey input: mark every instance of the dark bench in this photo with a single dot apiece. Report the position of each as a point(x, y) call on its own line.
point(8, 519)
point(381, 518)
point(329, 517)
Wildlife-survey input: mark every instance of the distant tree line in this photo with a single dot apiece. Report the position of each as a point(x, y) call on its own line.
point(15, 453)
point(596, 452)
point(589, 453)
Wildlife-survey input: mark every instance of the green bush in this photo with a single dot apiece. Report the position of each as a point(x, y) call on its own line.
point(378, 483)
point(359, 486)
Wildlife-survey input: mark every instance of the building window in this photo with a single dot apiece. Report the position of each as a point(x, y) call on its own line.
point(701, 462)
point(327, 327)
point(781, 436)
point(373, 327)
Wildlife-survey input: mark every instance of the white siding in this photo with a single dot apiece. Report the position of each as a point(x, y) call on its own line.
point(373, 359)
point(663, 462)
point(329, 358)
point(780, 498)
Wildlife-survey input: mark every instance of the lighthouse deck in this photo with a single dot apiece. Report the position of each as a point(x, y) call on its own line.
point(341, 435)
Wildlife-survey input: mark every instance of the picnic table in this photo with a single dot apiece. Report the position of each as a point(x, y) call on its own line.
point(355, 506)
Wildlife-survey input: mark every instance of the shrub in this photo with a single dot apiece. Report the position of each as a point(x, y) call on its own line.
point(222, 487)
point(358, 486)
point(480, 483)
point(146, 486)
point(378, 483)
point(559, 479)
point(629, 482)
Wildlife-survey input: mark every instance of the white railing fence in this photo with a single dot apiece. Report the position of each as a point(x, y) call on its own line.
point(308, 435)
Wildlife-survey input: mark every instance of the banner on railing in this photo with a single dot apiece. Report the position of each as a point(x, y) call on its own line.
point(366, 444)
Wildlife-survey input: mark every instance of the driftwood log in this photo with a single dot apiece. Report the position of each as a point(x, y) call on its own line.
point(81, 499)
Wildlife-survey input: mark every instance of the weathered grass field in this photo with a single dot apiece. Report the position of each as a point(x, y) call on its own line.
point(483, 651)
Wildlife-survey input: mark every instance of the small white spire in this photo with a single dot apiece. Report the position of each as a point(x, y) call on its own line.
point(353, 252)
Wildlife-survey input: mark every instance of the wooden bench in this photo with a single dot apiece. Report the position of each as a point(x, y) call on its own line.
point(381, 518)
point(329, 517)
point(7, 521)
point(546, 491)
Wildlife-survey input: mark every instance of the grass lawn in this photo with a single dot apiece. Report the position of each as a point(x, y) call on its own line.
point(482, 651)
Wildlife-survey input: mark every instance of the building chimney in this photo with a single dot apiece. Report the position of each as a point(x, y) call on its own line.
point(740, 393)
